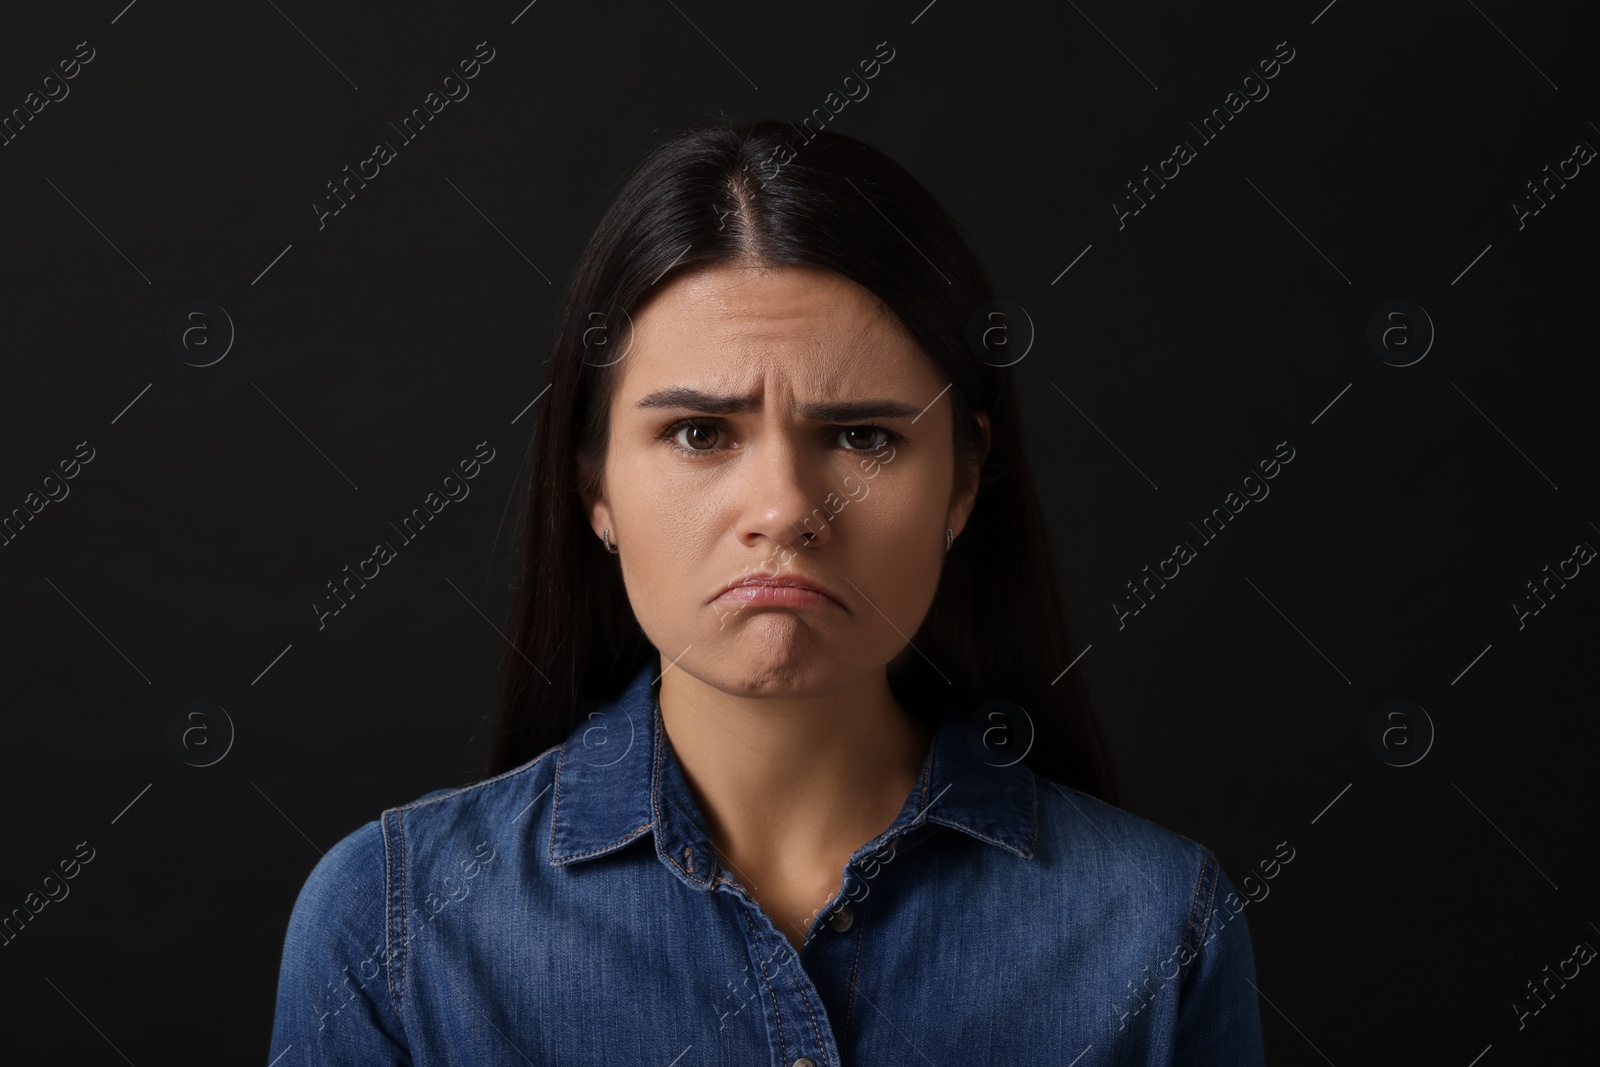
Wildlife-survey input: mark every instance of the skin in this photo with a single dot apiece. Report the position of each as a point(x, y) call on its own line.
point(792, 743)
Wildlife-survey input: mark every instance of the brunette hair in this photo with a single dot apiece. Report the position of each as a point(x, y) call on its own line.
point(744, 193)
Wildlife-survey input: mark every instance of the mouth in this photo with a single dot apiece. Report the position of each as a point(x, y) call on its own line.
point(787, 591)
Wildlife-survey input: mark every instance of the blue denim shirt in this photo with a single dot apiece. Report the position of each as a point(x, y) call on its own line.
point(573, 911)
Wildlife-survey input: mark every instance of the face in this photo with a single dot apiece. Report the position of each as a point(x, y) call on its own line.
point(756, 406)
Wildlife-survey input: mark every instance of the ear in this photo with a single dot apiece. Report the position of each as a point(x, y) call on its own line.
point(600, 520)
point(595, 505)
point(964, 494)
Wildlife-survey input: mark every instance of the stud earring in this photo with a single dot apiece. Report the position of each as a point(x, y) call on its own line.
point(949, 538)
point(606, 537)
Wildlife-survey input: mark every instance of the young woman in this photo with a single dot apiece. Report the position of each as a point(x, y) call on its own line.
point(787, 769)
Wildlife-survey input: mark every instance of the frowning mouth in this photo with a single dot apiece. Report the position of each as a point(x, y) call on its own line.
point(785, 591)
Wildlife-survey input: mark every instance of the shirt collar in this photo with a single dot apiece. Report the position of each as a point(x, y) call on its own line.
point(616, 778)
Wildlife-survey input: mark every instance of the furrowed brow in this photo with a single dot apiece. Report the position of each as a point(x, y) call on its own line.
point(682, 396)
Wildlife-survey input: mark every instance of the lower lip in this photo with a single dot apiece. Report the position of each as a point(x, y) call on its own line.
point(777, 596)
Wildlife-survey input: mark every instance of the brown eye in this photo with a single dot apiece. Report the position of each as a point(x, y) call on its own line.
point(698, 436)
point(869, 432)
point(698, 433)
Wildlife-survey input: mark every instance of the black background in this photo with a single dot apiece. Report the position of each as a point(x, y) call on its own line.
point(1229, 315)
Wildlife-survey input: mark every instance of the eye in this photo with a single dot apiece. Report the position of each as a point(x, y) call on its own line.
point(695, 431)
point(696, 437)
point(868, 431)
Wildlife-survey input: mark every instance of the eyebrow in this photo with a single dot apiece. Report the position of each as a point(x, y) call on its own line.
point(682, 396)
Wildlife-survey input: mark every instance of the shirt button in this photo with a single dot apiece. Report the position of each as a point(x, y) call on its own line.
point(840, 922)
point(804, 1061)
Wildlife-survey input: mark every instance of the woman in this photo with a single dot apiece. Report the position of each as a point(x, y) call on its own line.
point(783, 774)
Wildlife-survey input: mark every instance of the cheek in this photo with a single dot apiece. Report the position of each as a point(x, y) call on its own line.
point(902, 504)
point(894, 543)
point(666, 542)
point(663, 527)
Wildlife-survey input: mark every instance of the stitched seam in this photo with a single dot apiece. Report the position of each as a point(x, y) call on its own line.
point(610, 844)
point(405, 937)
point(777, 1015)
point(1192, 933)
point(555, 811)
point(806, 1000)
point(956, 824)
point(655, 782)
point(655, 791)
point(1194, 903)
point(855, 967)
point(531, 765)
point(655, 798)
point(388, 916)
point(1211, 894)
point(1211, 890)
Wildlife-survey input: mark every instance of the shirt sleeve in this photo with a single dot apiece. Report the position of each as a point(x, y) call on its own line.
point(339, 981)
point(1219, 1019)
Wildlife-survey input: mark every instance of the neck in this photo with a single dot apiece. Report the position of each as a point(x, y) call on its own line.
point(791, 784)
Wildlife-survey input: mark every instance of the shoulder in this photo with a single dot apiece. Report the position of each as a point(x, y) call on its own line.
point(485, 796)
point(501, 810)
point(340, 924)
point(1069, 816)
point(1164, 913)
point(345, 889)
point(356, 912)
point(1128, 860)
point(367, 865)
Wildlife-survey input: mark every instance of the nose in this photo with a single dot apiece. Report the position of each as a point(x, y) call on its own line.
point(785, 497)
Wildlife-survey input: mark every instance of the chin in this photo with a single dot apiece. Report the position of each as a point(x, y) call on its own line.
point(766, 669)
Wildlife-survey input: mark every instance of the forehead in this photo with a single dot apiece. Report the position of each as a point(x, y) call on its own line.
point(729, 327)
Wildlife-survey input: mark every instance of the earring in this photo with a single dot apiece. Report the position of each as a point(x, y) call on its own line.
point(949, 538)
point(606, 537)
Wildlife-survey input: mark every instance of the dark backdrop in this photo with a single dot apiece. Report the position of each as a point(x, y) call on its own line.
point(1172, 350)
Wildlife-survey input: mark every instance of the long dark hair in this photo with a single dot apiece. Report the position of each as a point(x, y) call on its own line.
point(722, 192)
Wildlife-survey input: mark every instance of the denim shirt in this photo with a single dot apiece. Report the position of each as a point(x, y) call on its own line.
point(573, 911)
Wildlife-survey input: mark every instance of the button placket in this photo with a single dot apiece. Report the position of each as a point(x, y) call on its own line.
point(795, 1014)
